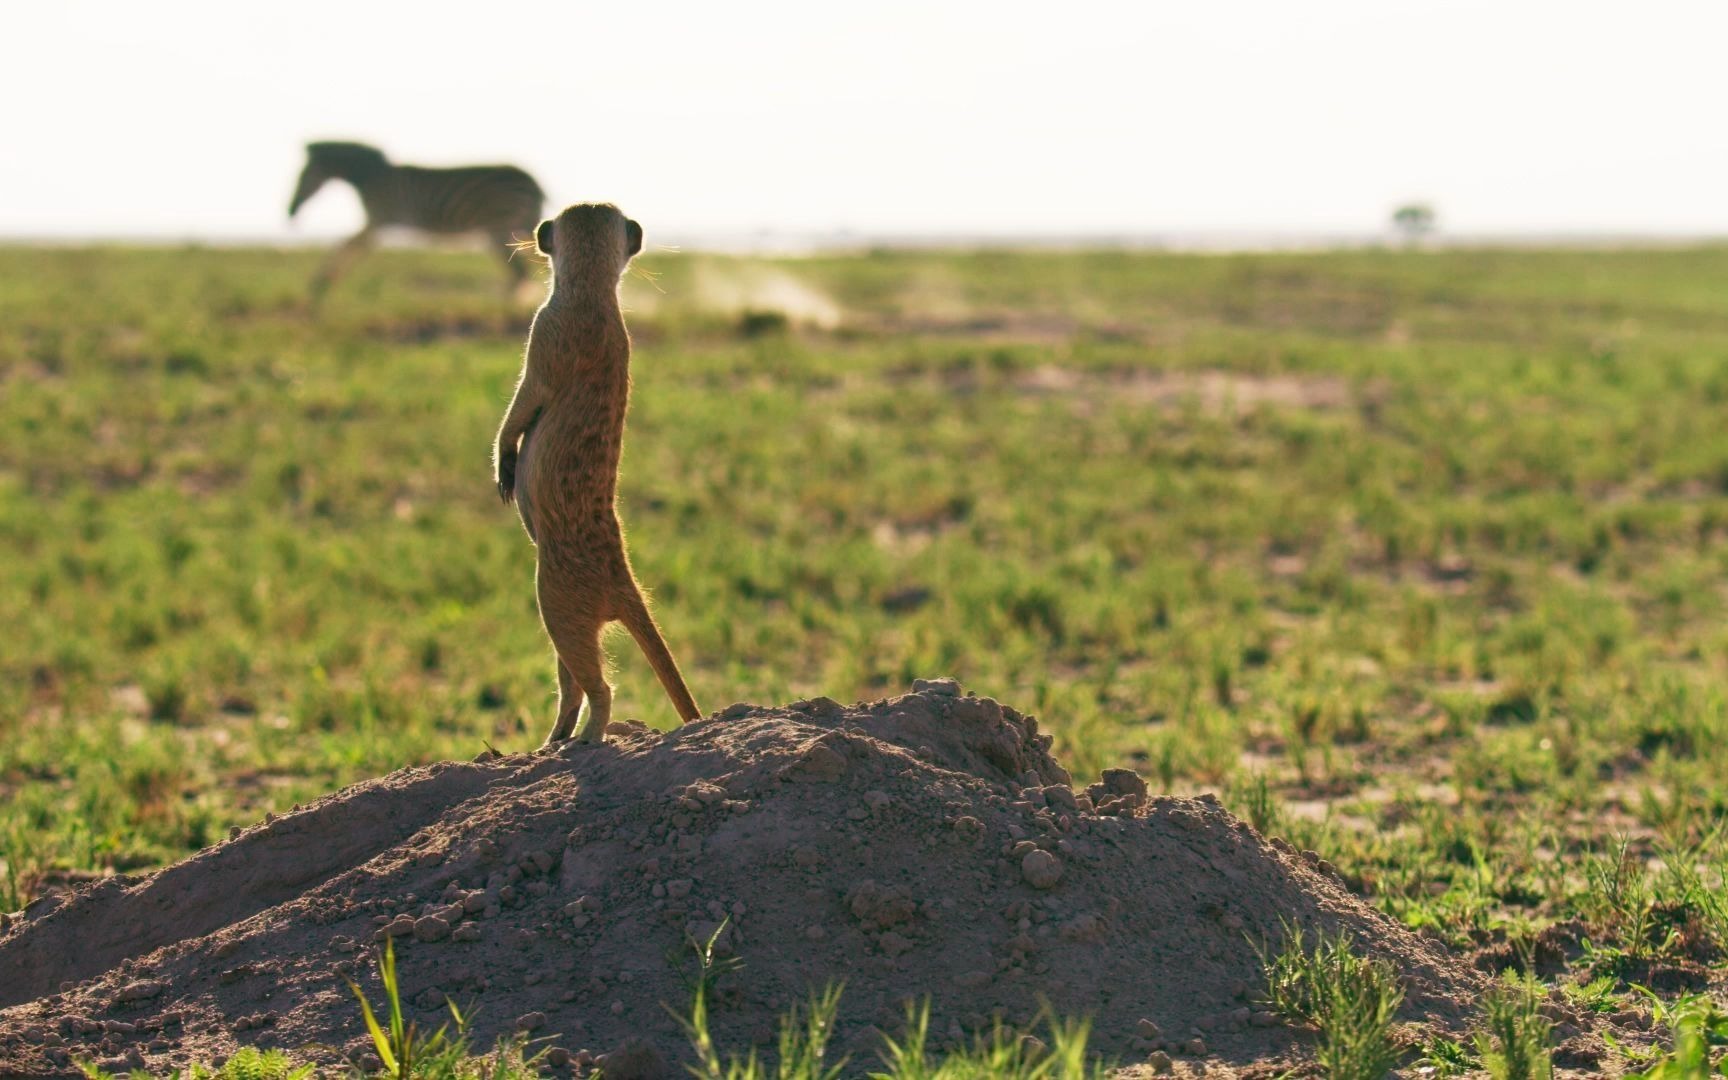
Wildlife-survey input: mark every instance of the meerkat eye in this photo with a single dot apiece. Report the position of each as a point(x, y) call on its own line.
point(543, 238)
point(633, 235)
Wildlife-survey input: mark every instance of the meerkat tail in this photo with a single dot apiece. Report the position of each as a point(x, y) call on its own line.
point(640, 622)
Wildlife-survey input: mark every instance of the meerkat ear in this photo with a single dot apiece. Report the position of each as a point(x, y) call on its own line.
point(633, 234)
point(543, 238)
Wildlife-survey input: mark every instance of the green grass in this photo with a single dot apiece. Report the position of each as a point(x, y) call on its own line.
point(1514, 1042)
point(1351, 1001)
point(247, 1063)
point(1697, 1029)
point(1432, 582)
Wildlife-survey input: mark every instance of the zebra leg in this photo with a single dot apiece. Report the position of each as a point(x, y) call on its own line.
point(337, 262)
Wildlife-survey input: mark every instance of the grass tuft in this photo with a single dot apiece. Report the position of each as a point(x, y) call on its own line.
point(1350, 999)
point(1514, 1043)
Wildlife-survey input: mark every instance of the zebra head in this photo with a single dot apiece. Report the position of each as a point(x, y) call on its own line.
point(589, 236)
point(326, 161)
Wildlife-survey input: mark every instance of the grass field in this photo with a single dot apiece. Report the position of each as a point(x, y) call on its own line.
point(1418, 558)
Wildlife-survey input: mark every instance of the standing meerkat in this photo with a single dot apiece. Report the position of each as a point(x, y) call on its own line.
point(557, 458)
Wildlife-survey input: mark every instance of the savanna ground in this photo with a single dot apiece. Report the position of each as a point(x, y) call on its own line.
point(1419, 559)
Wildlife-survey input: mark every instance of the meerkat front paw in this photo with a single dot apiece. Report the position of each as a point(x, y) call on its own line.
point(506, 477)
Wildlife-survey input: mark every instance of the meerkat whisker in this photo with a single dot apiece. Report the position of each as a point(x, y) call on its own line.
point(652, 277)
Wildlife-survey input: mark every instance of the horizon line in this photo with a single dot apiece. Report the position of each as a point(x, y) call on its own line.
point(770, 241)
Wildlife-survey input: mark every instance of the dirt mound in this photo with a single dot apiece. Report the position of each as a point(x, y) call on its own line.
point(924, 846)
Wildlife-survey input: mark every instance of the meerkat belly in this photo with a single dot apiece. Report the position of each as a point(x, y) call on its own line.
point(564, 484)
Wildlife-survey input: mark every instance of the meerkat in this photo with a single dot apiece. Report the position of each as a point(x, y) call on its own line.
point(557, 459)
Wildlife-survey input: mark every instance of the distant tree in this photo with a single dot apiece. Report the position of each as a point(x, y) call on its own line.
point(1414, 220)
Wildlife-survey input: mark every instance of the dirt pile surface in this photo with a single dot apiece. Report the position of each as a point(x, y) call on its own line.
point(925, 846)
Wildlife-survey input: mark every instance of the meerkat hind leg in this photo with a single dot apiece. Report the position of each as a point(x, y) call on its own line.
point(569, 697)
point(596, 708)
point(584, 698)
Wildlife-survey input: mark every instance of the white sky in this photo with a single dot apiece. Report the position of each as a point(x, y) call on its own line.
point(186, 119)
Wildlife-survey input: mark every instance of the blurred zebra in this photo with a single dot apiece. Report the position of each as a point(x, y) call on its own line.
point(500, 201)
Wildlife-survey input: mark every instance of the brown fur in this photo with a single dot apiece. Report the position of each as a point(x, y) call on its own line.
point(557, 458)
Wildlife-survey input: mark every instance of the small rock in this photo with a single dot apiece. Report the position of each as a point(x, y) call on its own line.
point(1195, 1047)
point(1159, 1062)
point(679, 888)
point(819, 762)
point(814, 933)
point(1146, 1029)
point(877, 801)
point(1123, 782)
point(1263, 1019)
point(1041, 869)
point(943, 687)
point(431, 928)
point(465, 932)
point(893, 944)
point(142, 990)
point(636, 1060)
point(533, 1021)
point(558, 1057)
point(1061, 797)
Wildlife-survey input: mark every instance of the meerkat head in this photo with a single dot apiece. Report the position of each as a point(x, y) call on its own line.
point(589, 238)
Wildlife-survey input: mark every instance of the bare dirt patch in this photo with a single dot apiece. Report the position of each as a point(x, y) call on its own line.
point(925, 846)
point(1211, 390)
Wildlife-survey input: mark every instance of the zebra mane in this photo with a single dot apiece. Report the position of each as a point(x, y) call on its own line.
point(348, 159)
